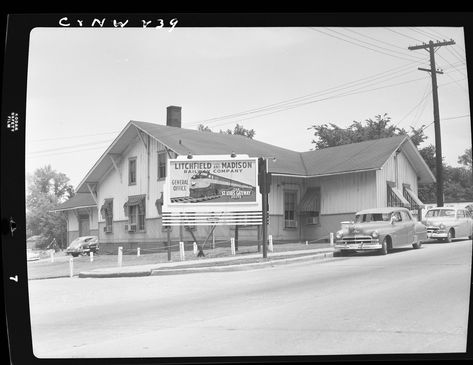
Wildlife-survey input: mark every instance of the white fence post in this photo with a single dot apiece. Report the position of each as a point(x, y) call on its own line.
point(138, 252)
point(71, 267)
point(120, 256)
point(270, 246)
point(91, 256)
point(232, 245)
point(52, 255)
point(181, 251)
point(331, 238)
point(307, 243)
point(195, 248)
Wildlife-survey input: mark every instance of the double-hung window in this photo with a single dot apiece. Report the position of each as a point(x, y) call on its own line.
point(132, 171)
point(290, 209)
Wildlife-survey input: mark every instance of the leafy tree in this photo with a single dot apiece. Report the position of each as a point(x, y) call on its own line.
point(46, 189)
point(466, 159)
point(330, 135)
point(203, 128)
point(238, 130)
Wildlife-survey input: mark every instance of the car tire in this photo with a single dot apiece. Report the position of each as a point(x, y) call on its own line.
point(74, 254)
point(449, 237)
point(384, 249)
point(417, 245)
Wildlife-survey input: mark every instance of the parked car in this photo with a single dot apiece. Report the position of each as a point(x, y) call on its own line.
point(380, 229)
point(83, 246)
point(31, 256)
point(445, 223)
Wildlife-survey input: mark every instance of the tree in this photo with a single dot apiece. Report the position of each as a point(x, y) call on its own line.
point(330, 135)
point(46, 189)
point(238, 130)
point(466, 159)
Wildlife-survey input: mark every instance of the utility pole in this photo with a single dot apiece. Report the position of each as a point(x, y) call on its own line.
point(431, 48)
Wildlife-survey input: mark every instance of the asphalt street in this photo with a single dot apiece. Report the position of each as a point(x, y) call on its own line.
point(410, 301)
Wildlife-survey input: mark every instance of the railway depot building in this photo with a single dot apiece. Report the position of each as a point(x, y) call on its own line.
point(310, 194)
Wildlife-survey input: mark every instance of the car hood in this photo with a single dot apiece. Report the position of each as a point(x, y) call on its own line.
point(435, 221)
point(364, 228)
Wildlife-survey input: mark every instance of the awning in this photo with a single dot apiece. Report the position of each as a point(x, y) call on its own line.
point(414, 201)
point(401, 198)
point(138, 200)
point(310, 201)
point(107, 208)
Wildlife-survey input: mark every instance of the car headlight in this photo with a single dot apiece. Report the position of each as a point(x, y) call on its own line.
point(375, 234)
point(442, 226)
point(339, 234)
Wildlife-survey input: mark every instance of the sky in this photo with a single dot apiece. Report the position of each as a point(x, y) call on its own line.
point(85, 84)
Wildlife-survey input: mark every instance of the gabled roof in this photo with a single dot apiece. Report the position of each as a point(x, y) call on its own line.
point(80, 200)
point(368, 155)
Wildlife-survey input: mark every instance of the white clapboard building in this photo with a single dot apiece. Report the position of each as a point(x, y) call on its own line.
point(311, 192)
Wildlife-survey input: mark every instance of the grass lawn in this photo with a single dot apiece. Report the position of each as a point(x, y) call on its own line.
point(44, 268)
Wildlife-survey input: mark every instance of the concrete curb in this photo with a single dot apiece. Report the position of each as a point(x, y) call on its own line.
point(215, 268)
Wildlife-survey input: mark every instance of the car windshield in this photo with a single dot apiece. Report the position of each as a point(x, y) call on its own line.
point(372, 217)
point(440, 213)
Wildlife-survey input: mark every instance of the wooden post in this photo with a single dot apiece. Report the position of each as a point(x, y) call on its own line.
point(138, 252)
point(236, 237)
point(331, 238)
point(195, 248)
point(182, 251)
point(71, 267)
point(270, 247)
point(232, 245)
point(120, 256)
point(91, 256)
point(168, 230)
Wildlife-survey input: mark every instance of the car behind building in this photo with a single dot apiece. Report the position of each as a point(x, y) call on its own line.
point(83, 246)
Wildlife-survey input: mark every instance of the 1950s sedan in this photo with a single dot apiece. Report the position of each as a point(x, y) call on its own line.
point(445, 224)
point(381, 229)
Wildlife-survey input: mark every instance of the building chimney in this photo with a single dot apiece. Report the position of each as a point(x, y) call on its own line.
point(173, 118)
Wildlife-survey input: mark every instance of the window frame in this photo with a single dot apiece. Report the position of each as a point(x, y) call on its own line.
point(130, 160)
point(163, 165)
point(294, 211)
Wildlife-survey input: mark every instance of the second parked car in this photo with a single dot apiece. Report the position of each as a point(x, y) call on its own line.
point(445, 223)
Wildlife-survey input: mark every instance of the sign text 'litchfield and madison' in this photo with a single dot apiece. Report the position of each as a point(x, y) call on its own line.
point(217, 181)
point(216, 189)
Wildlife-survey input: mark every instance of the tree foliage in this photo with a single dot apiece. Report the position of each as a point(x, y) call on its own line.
point(46, 189)
point(330, 135)
point(239, 130)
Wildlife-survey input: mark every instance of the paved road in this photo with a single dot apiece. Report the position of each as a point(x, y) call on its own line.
point(410, 301)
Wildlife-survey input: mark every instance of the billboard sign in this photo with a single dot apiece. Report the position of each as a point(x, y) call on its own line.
point(216, 183)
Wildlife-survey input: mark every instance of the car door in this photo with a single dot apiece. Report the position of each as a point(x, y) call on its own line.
point(399, 232)
point(460, 224)
point(409, 227)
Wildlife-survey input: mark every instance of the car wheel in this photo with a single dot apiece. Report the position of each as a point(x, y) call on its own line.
point(449, 236)
point(74, 254)
point(417, 245)
point(384, 249)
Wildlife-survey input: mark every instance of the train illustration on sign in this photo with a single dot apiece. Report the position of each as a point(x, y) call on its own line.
point(206, 184)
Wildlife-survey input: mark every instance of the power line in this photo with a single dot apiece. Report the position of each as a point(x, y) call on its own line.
point(356, 44)
point(408, 37)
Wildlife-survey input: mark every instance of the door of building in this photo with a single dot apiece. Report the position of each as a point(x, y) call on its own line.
point(84, 225)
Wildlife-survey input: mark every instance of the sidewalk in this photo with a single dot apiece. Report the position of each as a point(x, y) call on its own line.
point(228, 263)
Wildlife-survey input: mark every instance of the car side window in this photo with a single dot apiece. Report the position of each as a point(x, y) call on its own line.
point(398, 216)
point(405, 216)
point(460, 214)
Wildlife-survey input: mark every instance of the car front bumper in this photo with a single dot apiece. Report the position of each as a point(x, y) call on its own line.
point(358, 244)
point(438, 234)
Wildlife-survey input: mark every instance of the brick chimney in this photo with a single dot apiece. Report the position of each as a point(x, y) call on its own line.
point(173, 118)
